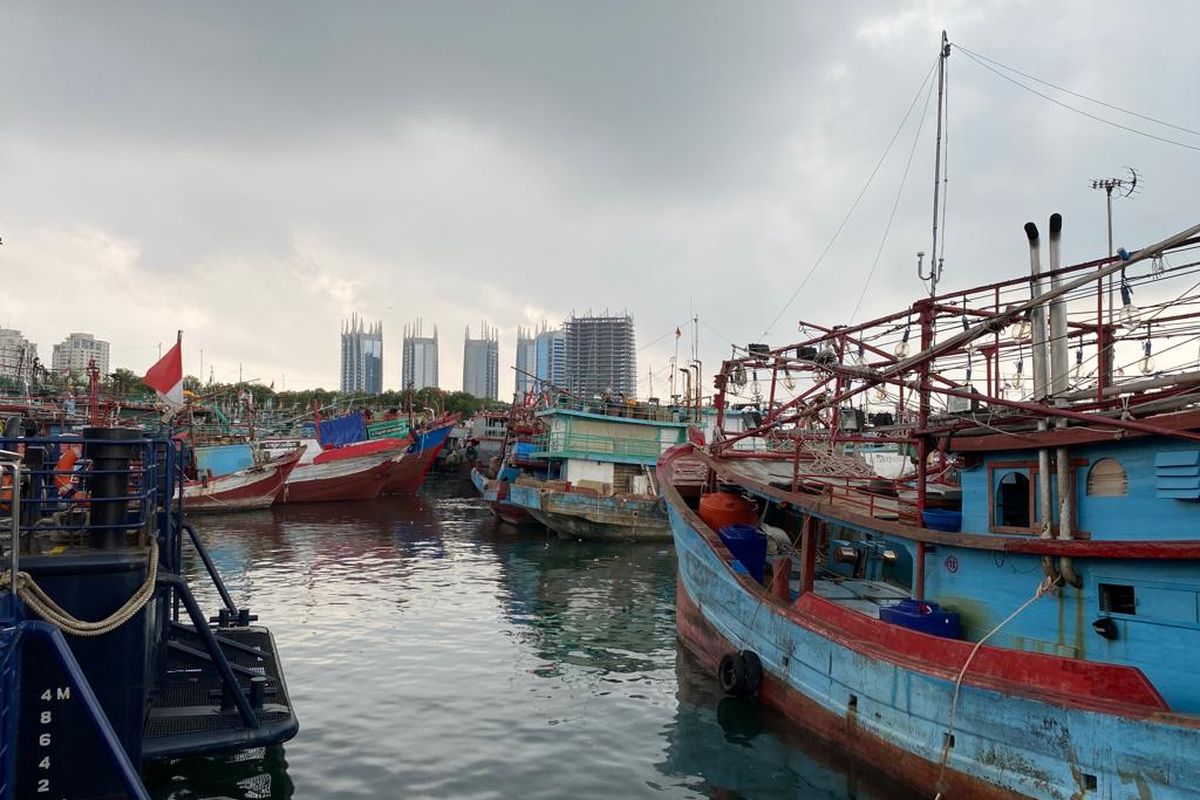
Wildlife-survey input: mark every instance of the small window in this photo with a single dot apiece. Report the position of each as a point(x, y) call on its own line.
point(1012, 501)
point(1117, 599)
point(1107, 478)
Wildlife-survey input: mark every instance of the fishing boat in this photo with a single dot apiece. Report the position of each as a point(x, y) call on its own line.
point(410, 468)
point(493, 479)
point(599, 483)
point(233, 477)
point(1020, 617)
point(107, 659)
point(355, 471)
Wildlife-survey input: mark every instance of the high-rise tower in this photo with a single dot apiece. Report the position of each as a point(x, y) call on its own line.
point(362, 356)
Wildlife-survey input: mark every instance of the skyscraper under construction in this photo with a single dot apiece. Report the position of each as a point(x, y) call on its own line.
point(601, 356)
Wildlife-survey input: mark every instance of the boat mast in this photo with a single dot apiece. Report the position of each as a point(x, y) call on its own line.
point(935, 264)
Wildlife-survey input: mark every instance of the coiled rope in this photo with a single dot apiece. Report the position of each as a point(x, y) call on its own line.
point(36, 599)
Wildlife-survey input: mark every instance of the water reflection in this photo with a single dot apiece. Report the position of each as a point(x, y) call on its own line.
point(258, 774)
point(737, 749)
point(432, 653)
point(592, 605)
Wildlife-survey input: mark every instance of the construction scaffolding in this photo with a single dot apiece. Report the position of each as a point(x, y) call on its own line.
point(601, 356)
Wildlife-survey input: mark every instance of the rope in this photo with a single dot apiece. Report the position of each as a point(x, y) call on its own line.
point(1045, 586)
point(44, 606)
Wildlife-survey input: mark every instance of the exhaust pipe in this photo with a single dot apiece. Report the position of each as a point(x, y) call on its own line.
point(1038, 340)
point(1058, 388)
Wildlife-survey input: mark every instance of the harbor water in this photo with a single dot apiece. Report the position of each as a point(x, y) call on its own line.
point(431, 652)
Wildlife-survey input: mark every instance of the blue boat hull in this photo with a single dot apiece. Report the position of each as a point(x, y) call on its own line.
point(1004, 744)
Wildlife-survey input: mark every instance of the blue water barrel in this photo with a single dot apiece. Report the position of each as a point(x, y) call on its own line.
point(748, 545)
point(923, 616)
point(942, 520)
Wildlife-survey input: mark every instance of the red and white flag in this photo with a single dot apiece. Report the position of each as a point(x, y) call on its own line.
point(166, 377)
point(678, 332)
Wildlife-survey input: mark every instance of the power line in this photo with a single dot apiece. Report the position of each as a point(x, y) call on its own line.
point(895, 205)
point(853, 205)
point(1079, 111)
point(1065, 90)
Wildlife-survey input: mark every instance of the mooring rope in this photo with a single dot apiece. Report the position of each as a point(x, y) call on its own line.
point(1045, 586)
point(44, 606)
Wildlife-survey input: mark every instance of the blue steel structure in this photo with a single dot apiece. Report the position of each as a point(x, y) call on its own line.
point(106, 658)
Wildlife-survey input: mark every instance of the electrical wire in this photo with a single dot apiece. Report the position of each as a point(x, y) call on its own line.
point(854, 205)
point(895, 205)
point(1079, 111)
point(1065, 90)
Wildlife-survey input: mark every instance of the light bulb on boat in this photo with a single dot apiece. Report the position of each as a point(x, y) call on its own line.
point(1078, 372)
point(1019, 329)
point(1147, 364)
point(1129, 315)
point(902, 348)
point(1018, 377)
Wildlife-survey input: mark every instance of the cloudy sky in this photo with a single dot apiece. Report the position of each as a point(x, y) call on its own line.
point(255, 172)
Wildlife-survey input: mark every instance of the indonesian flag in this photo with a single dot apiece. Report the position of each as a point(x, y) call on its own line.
point(166, 377)
point(678, 332)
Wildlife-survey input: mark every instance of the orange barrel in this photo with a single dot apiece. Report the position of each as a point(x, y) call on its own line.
point(719, 509)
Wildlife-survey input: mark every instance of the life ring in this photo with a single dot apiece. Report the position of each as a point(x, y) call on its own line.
point(740, 673)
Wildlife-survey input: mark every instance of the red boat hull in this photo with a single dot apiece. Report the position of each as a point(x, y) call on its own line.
point(408, 473)
point(251, 489)
point(357, 472)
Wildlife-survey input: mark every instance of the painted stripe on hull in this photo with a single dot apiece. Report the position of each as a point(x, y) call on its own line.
point(1004, 745)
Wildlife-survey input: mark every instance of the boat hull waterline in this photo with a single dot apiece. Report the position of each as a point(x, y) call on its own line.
point(494, 493)
point(605, 519)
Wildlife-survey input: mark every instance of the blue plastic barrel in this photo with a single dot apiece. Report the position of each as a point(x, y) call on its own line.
point(748, 545)
point(924, 616)
point(942, 520)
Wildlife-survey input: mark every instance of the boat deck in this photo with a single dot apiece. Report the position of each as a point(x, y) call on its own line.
point(863, 596)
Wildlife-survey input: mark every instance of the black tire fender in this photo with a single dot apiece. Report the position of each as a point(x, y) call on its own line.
point(740, 673)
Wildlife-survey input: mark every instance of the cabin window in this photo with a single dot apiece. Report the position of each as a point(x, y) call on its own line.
point(1107, 478)
point(1116, 598)
point(1013, 501)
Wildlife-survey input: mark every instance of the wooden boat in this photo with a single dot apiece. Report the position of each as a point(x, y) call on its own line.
point(356, 471)
point(254, 486)
point(408, 469)
point(1019, 619)
point(495, 492)
point(594, 481)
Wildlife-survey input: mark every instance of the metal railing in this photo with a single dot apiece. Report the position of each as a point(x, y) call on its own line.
point(558, 443)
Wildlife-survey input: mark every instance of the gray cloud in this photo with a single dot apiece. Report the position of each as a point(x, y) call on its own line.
point(274, 166)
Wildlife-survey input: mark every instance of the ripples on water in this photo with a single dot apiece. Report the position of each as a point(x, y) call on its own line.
point(432, 653)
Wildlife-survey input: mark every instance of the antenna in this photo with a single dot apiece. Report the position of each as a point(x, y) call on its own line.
point(1124, 187)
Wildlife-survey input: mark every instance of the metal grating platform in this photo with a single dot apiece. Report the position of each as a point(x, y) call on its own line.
point(187, 715)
